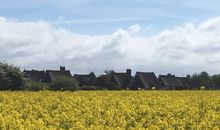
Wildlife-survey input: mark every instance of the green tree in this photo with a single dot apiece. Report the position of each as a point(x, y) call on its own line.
point(11, 78)
point(64, 83)
point(35, 86)
point(216, 81)
point(201, 79)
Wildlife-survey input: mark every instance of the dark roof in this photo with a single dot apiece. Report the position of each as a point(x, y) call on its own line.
point(34, 75)
point(54, 73)
point(170, 81)
point(84, 75)
point(146, 79)
point(119, 77)
point(85, 79)
point(122, 80)
point(183, 81)
point(81, 75)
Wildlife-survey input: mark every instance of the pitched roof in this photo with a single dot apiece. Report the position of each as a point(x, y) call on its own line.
point(35, 75)
point(54, 73)
point(183, 81)
point(170, 81)
point(147, 79)
point(121, 79)
point(84, 75)
point(85, 79)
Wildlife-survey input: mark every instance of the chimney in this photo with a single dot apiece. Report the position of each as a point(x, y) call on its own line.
point(62, 68)
point(128, 71)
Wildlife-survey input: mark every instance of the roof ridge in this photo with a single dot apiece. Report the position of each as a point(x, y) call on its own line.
point(145, 72)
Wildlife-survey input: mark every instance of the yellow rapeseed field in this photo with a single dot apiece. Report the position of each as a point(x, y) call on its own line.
point(107, 110)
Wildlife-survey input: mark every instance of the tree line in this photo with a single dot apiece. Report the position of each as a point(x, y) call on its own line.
point(205, 80)
point(11, 78)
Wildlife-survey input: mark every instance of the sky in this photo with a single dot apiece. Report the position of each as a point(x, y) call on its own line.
point(175, 36)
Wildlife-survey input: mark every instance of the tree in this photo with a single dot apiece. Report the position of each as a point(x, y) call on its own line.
point(206, 80)
point(194, 81)
point(202, 79)
point(109, 72)
point(216, 81)
point(11, 78)
point(35, 86)
point(104, 82)
point(64, 83)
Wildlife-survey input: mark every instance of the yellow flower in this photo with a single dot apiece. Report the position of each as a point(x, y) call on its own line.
point(98, 110)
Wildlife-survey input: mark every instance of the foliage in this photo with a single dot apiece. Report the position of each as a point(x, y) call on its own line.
point(11, 78)
point(202, 79)
point(109, 72)
point(107, 110)
point(36, 86)
point(216, 81)
point(64, 83)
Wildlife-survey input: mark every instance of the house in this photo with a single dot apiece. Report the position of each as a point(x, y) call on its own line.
point(121, 80)
point(114, 81)
point(102, 81)
point(144, 80)
point(86, 79)
point(35, 75)
point(170, 81)
point(52, 74)
point(184, 82)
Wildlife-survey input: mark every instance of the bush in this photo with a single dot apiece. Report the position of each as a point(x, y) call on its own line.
point(64, 83)
point(36, 86)
point(11, 78)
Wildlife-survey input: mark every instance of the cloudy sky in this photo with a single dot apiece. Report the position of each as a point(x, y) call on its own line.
point(177, 36)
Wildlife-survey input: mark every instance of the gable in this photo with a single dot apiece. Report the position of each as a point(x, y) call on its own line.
point(149, 79)
point(137, 83)
point(122, 80)
point(145, 80)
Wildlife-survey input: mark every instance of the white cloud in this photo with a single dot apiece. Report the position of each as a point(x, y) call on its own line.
point(38, 44)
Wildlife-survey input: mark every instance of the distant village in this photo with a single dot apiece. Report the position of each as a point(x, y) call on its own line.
point(116, 80)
